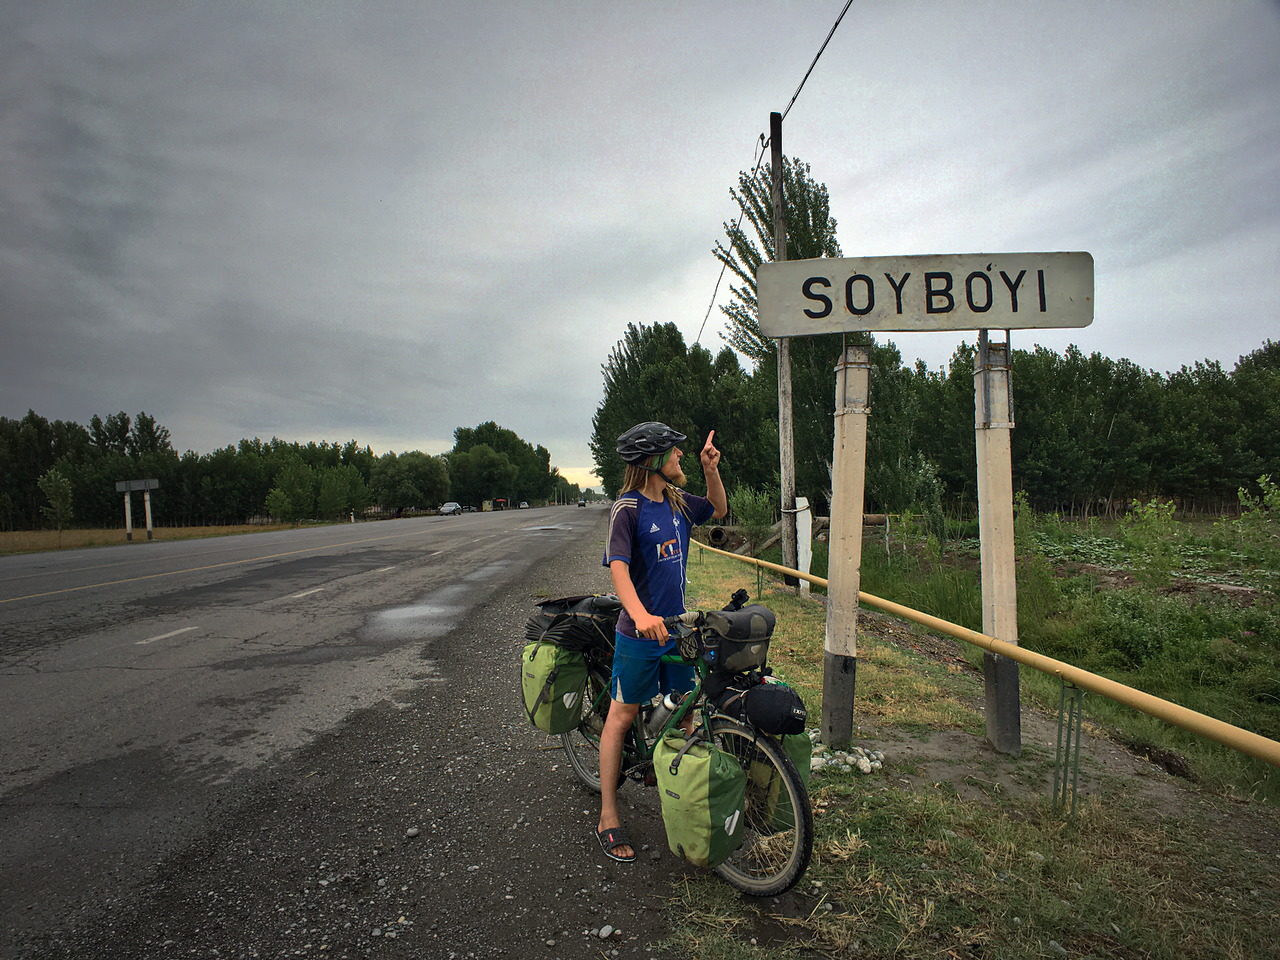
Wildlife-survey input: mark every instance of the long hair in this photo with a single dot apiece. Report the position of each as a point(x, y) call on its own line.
point(635, 476)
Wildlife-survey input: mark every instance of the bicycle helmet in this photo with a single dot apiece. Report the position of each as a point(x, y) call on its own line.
point(646, 439)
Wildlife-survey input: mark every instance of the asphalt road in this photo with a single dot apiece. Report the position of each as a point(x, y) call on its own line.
point(216, 748)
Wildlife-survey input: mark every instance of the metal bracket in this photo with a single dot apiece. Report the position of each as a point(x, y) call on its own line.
point(862, 408)
point(1066, 767)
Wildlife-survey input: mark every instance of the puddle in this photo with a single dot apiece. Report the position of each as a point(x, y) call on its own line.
point(433, 616)
point(548, 527)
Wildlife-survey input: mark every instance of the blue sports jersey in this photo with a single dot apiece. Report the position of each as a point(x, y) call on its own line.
point(654, 542)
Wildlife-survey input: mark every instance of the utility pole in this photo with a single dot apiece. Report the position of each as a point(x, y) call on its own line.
point(786, 435)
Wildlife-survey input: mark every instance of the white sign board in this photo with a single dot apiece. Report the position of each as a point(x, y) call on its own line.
point(959, 291)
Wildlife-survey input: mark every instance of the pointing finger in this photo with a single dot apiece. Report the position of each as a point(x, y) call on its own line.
point(710, 436)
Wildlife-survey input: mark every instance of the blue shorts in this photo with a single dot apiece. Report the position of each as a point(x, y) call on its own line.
point(639, 674)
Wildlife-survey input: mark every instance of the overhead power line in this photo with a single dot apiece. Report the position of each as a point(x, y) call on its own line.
point(763, 144)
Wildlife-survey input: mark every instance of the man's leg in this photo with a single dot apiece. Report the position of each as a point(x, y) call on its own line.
point(616, 724)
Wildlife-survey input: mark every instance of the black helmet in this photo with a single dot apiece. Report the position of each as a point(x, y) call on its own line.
point(645, 439)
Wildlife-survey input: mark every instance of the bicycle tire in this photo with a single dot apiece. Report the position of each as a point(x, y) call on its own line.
point(778, 844)
point(582, 744)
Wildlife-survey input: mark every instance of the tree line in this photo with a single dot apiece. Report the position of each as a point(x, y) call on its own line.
point(1092, 433)
point(60, 471)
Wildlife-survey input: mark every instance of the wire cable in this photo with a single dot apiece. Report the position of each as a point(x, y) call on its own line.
point(794, 96)
point(764, 143)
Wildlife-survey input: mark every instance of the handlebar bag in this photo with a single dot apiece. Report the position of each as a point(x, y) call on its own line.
point(553, 679)
point(702, 790)
point(740, 638)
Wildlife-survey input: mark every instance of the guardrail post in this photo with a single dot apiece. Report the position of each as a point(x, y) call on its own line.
point(1066, 762)
point(128, 515)
point(849, 463)
point(993, 423)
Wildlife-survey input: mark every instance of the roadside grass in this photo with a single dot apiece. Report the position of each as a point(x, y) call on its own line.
point(1215, 654)
point(902, 871)
point(35, 541)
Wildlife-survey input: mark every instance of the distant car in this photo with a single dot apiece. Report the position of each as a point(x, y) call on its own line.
point(452, 508)
point(468, 508)
point(524, 505)
point(582, 503)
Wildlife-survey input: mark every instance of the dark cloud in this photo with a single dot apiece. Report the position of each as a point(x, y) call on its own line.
point(385, 220)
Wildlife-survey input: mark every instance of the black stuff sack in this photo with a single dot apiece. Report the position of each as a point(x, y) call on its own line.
point(576, 623)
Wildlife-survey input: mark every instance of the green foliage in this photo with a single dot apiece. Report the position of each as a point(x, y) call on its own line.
point(810, 233)
point(532, 478)
point(652, 375)
point(481, 473)
point(408, 480)
point(753, 510)
point(57, 490)
point(1149, 528)
point(1256, 531)
point(293, 498)
point(342, 492)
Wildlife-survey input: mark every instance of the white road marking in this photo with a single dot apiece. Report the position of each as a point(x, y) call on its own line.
point(384, 569)
point(165, 636)
point(306, 593)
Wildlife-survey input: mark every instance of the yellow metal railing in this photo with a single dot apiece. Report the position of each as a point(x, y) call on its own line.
point(1198, 723)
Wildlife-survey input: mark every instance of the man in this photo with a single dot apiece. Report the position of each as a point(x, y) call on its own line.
point(646, 551)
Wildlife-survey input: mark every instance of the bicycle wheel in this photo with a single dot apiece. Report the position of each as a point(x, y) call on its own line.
point(779, 821)
point(582, 744)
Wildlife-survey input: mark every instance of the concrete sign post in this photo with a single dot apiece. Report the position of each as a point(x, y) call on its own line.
point(979, 291)
point(848, 481)
point(993, 424)
point(127, 487)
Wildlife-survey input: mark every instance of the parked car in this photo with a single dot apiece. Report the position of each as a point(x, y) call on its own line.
point(582, 503)
point(524, 505)
point(450, 509)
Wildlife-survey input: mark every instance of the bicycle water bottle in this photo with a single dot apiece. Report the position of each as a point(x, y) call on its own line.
point(666, 706)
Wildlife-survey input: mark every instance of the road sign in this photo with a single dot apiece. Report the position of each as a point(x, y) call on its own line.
point(961, 291)
point(128, 486)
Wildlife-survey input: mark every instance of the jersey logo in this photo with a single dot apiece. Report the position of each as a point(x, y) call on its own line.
point(669, 550)
point(654, 528)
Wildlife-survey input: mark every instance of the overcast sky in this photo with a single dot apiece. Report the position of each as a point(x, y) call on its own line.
point(382, 220)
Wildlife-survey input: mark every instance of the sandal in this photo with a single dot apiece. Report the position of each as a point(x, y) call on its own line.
point(613, 838)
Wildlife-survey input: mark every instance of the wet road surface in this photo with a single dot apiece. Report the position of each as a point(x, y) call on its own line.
point(163, 700)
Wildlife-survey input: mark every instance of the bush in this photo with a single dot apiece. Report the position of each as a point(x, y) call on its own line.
point(753, 511)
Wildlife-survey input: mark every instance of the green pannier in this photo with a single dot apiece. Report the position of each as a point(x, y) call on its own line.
point(768, 789)
point(552, 682)
point(702, 790)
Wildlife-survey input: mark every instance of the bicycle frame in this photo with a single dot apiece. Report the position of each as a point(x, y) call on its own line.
point(643, 740)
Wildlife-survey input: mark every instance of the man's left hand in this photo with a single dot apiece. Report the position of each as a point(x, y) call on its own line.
point(709, 456)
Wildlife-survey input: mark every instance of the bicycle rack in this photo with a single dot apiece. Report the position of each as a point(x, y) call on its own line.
point(1066, 767)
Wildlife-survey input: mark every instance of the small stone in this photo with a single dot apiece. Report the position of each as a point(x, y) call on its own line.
point(550, 943)
point(412, 832)
point(864, 765)
point(377, 932)
point(1037, 857)
point(606, 932)
point(1115, 929)
point(1057, 948)
point(950, 833)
